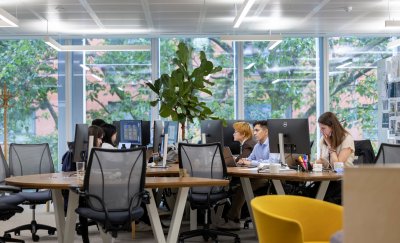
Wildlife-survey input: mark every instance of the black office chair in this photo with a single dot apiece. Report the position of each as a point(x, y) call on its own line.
point(8, 203)
point(28, 159)
point(388, 154)
point(114, 188)
point(364, 151)
point(206, 161)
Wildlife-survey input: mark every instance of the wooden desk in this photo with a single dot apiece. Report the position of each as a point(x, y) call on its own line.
point(66, 226)
point(246, 173)
point(171, 170)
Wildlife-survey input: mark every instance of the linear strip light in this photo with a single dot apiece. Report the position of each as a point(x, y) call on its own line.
point(392, 23)
point(251, 38)
point(291, 79)
point(274, 44)
point(393, 44)
point(68, 48)
point(10, 20)
point(242, 13)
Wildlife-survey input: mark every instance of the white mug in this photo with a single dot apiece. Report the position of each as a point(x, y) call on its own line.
point(274, 168)
point(317, 167)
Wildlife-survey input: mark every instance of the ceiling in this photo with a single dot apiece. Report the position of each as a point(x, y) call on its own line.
point(199, 17)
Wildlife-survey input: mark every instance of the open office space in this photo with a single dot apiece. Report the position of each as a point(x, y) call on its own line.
point(69, 62)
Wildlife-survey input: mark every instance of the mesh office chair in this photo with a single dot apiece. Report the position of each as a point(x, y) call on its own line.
point(29, 159)
point(364, 151)
point(388, 154)
point(114, 188)
point(8, 203)
point(206, 161)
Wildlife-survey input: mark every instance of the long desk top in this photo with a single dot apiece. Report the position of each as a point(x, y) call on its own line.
point(64, 180)
point(284, 175)
point(171, 170)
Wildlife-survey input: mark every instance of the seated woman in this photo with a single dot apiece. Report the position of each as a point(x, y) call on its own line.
point(244, 135)
point(336, 145)
point(110, 136)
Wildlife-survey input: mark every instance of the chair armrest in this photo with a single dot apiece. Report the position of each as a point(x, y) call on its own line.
point(7, 188)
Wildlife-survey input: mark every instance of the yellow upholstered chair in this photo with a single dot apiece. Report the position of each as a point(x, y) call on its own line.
point(295, 219)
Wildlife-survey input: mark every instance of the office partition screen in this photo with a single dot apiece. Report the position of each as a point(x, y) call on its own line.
point(353, 89)
point(115, 81)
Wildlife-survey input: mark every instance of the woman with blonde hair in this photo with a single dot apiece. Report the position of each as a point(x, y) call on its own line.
point(244, 135)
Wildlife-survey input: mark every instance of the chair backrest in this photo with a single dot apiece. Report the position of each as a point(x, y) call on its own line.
point(364, 151)
point(4, 170)
point(388, 154)
point(116, 177)
point(287, 218)
point(29, 159)
point(203, 160)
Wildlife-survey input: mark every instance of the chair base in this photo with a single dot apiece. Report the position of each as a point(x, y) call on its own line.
point(206, 234)
point(33, 227)
point(9, 239)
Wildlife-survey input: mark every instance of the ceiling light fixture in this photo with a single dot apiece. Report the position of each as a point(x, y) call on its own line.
point(7, 19)
point(273, 44)
point(242, 13)
point(251, 38)
point(68, 48)
point(390, 22)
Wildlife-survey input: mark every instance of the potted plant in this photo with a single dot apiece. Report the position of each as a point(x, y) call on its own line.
point(178, 93)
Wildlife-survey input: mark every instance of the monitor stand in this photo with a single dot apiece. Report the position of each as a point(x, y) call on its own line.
point(165, 153)
point(281, 149)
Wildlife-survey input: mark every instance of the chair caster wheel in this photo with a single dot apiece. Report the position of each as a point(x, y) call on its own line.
point(35, 238)
point(51, 232)
point(7, 235)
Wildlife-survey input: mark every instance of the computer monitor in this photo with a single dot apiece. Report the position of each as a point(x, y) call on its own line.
point(157, 136)
point(135, 132)
point(213, 130)
point(296, 136)
point(80, 143)
point(172, 129)
point(228, 135)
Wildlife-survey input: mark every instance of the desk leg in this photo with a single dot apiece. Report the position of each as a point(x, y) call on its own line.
point(155, 219)
point(59, 213)
point(73, 201)
point(278, 187)
point(248, 194)
point(322, 190)
point(177, 214)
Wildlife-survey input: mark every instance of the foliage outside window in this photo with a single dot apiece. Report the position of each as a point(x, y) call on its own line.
point(353, 90)
point(281, 83)
point(115, 82)
point(29, 68)
point(221, 54)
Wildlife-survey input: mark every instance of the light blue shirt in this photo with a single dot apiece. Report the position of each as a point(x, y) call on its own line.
point(261, 153)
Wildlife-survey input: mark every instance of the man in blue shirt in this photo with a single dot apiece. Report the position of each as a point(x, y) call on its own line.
point(259, 154)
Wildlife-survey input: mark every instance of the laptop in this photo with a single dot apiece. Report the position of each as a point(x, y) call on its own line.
point(228, 157)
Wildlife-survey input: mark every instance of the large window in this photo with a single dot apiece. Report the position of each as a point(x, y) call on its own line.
point(115, 82)
point(353, 90)
point(280, 83)
point(29, 70)
point(221, 54)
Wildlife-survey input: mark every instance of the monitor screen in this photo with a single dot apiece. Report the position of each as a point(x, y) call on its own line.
point(130, 132)
point(157, 136)
point(296, 135)
point(172, 129)
point(228, 135)
point(80, 142)
point(213, 131)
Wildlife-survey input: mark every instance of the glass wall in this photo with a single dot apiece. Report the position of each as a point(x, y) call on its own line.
point(115, 81)
point(353, 89)
point(280, 83)
point(29, 72)
point(221, 54)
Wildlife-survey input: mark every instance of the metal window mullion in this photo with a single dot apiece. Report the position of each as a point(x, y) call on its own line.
point(239, 80)
point(155, 73)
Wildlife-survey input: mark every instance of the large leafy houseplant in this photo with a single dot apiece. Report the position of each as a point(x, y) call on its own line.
point(179, 92)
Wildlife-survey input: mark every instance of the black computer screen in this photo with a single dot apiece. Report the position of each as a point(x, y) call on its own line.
point(130, 132)
point(81, 141)
point(172, 129)
point(157, 136)
point(296, 135)
point(213, 131)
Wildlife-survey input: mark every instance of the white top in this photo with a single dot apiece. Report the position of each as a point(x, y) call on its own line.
point(348, 142)
point(107, 146)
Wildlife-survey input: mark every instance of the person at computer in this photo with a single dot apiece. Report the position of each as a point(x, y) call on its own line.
point(243, 135)
point(260, 153)
point(336, 145)
point(110, 136)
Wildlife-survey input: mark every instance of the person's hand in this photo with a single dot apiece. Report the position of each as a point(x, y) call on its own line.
point(244, 162)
